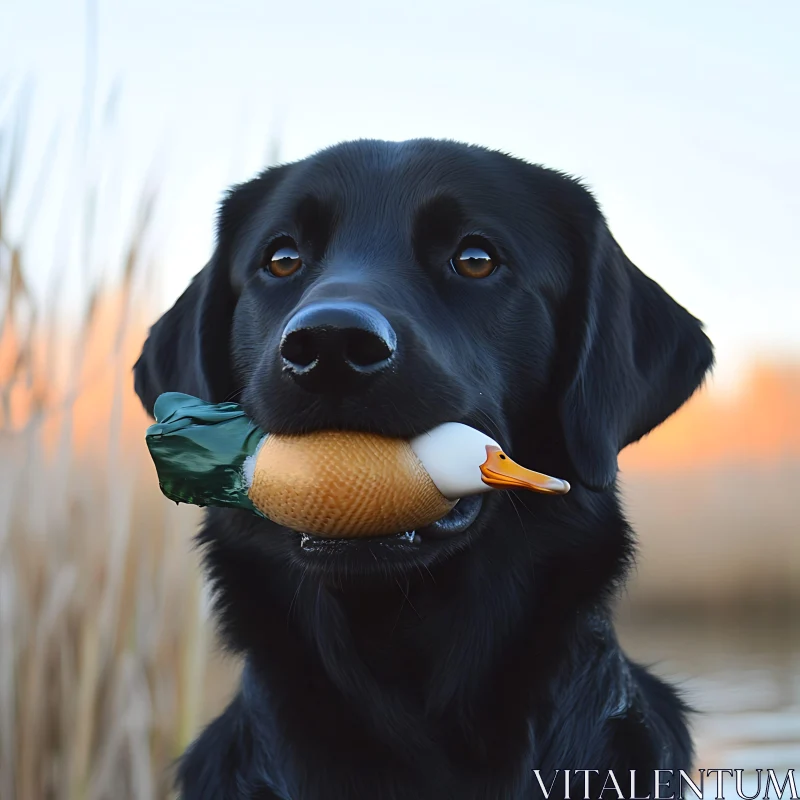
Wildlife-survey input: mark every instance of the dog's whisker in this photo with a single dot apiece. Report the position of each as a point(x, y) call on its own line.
point(493, 428)
point(521, 500)
point(400, 611)
point(405, 593)
point(516, 510)
point(296, 593)
point(234, 395)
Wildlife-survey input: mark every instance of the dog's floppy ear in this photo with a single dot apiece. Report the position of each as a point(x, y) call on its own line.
point(188, 349)
point(638, 357)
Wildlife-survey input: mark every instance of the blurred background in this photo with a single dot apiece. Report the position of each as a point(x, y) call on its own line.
point(120, 126)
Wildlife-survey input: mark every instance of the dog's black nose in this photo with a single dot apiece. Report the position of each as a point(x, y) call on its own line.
point(328, 347)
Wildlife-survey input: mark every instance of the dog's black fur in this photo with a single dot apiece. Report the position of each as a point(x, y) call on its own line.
point(458, 669)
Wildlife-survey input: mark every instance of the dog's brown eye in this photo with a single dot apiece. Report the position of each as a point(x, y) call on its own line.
point(473, 262)
point(285, 261)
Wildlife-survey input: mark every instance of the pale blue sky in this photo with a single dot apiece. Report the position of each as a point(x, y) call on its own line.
point(684, 117)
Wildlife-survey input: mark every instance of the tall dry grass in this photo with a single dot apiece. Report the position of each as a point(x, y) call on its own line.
point(106, 659)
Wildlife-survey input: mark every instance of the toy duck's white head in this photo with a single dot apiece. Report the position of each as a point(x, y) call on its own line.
point(462, 461)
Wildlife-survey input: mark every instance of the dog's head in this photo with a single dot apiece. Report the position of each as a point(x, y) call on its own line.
point(391, 287)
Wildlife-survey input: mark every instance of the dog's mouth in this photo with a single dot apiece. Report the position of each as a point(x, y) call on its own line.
point(456, 522)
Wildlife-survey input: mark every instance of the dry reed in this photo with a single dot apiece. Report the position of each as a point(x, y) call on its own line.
point(105, 667)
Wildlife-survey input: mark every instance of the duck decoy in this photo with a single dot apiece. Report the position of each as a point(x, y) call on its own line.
point(326, 483)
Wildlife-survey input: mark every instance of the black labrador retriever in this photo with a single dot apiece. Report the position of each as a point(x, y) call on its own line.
point(390, 287)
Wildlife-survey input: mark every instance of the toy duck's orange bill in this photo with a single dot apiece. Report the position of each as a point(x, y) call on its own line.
point(500, 472)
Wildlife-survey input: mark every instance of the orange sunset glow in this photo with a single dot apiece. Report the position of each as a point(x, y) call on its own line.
point(759, 423)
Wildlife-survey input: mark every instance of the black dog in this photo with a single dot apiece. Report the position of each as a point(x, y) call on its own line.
point(389, 288)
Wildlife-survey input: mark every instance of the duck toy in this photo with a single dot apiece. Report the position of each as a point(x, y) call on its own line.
point(337, 484)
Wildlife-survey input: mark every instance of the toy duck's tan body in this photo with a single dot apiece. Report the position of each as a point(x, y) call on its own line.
point(355, 484)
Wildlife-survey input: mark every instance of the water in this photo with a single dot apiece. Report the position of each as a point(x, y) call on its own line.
point(743, 678)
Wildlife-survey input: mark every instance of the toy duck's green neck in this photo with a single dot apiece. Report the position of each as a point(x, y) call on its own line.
point(200, 449)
